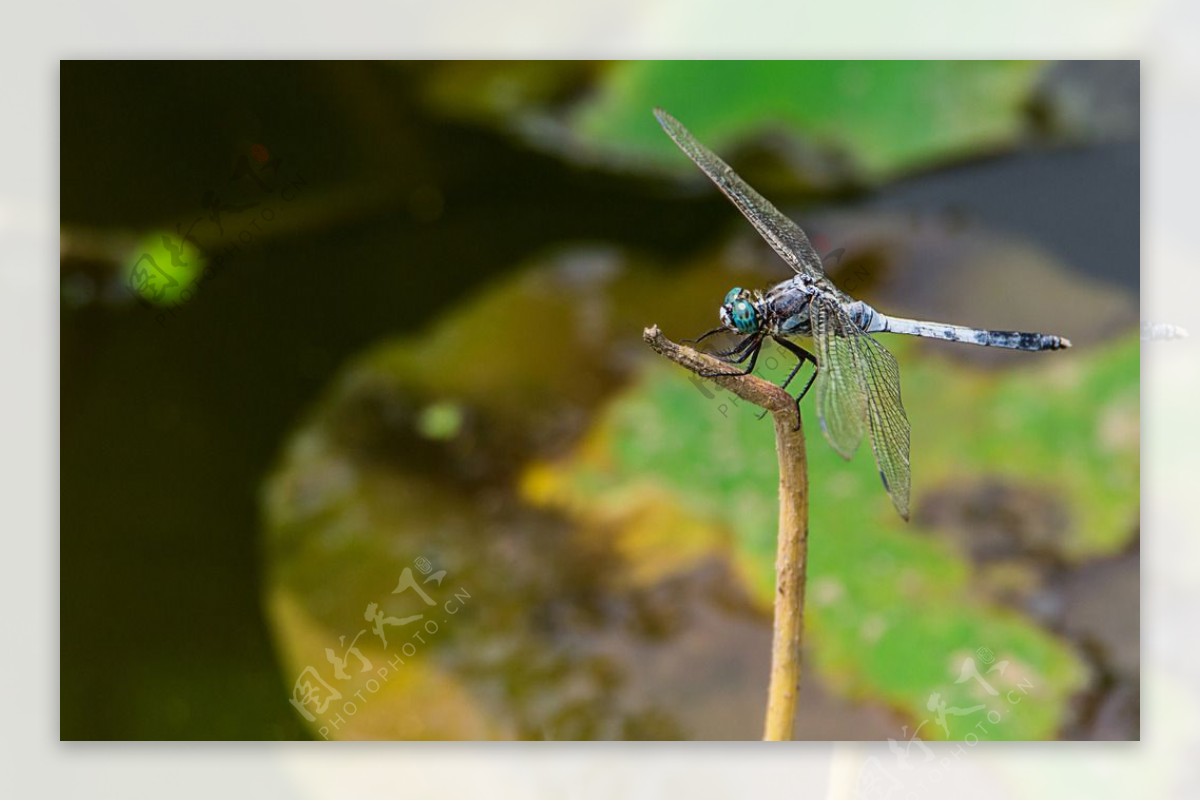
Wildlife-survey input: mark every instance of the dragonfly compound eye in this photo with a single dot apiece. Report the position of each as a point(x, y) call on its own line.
point(743, 316)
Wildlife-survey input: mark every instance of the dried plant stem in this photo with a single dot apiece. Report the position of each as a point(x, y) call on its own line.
point(791, 563)
point(792, 551)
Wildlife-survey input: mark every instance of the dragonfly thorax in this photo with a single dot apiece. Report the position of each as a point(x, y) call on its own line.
point(740, 312)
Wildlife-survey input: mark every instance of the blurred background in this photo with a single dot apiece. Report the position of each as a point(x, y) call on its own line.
point(347, 344)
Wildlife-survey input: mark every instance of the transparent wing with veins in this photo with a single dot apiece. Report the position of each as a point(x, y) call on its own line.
point(781, 233)
point(858, 385)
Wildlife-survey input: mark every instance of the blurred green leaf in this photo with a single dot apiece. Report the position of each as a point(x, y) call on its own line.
point(496, 91)
point(885, 117)
point(840, 121)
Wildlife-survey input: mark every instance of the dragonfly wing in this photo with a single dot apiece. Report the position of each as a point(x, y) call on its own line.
point(889, 424)
point(859, 383)
point(780, 232)
point(841, 392)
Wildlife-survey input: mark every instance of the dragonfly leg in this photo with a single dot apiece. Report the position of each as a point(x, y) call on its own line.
point(807, 385)
point(754, 343)
point(740, 347)
point(802, 356)
point(702, 337)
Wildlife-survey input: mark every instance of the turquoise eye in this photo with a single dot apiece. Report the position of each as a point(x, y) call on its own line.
point(743, 316)
point(739, 313)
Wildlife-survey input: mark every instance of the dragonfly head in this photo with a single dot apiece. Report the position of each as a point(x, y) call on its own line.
point(739, 312)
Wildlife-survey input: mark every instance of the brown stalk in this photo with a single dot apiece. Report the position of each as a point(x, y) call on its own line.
point(792, 551)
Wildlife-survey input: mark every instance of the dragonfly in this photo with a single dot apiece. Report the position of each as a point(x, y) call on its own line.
point(857, 380)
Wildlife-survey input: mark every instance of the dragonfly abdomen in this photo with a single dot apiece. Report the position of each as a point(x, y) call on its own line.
point(1012, 340)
